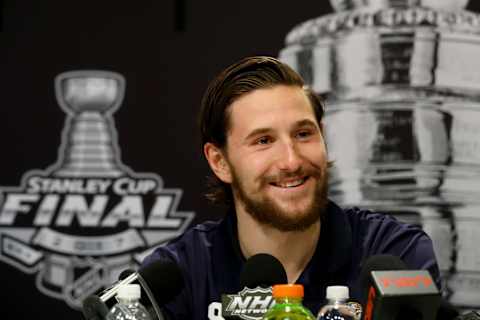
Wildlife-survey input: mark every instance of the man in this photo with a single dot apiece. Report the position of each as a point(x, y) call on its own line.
point(263, 138)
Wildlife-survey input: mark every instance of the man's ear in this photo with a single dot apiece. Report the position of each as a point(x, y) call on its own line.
point(217, 161)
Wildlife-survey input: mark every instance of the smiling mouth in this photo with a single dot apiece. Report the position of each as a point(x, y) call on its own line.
point(290, 183)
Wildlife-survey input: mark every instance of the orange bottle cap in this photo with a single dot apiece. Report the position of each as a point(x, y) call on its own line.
point(287, 290)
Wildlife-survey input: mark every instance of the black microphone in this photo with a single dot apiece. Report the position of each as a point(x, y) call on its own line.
point(93, 308)
point(262, 270)
point(143, 296)
point(144, 299)
point(160, 280)
point(378, 262)
point(259, 274)
point(163, 278)
point(391, 292)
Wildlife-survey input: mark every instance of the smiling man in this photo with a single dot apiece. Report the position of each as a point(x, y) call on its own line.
point(262, 136)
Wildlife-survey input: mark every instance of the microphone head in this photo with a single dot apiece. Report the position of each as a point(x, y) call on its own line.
point(164, 278)
point(93, 308)
point(262, 270)
point(381, 262)
point(391, 291)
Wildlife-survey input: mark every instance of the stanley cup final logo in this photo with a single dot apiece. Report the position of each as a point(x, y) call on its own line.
point(402, 82)
point(79, 223)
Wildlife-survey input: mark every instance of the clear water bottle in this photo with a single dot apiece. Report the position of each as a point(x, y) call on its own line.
point(337, 307)
point(288, 304)
point(128, 306)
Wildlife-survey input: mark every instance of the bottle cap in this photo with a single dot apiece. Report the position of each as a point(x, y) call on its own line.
point(337, 293)
point(129, 291)
point(287, 290)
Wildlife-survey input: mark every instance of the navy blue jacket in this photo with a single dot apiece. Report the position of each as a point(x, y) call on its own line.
point(211, 261)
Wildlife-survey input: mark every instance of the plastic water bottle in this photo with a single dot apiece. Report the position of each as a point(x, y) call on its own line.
point(128, 306)
point(337, 307)
point(288, 304)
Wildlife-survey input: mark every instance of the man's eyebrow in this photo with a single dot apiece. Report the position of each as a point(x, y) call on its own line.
point(300, 123)
point(256, 132)
point(305, 122)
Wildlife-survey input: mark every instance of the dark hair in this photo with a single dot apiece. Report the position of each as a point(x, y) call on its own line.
point(240, 78)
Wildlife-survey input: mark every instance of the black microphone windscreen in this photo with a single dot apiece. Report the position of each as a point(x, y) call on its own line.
point(381, 262)
point(262, 270)
point(93, 308)
point(164, 278)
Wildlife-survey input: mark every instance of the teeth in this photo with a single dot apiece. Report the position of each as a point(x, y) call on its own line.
point(291, 184)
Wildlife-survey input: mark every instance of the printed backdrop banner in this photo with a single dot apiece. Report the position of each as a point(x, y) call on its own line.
point(101, 160)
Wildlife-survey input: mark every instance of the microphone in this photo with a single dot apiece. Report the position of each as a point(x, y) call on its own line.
point(259, 274)
point(391, 292)
point(377, 262)
point(262, 270)
point(93, 308)
point(143, 299)
point(160, 280)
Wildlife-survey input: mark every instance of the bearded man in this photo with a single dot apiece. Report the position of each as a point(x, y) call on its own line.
point(262, 136)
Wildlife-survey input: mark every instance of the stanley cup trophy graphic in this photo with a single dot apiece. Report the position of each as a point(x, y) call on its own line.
point(89, 148)
point(402, 82)
point(84, 219)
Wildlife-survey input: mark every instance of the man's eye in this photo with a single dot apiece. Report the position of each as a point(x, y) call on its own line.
point(304, 134)
point(263, 140)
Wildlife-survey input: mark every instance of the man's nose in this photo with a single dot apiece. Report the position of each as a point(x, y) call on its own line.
point(290, 158)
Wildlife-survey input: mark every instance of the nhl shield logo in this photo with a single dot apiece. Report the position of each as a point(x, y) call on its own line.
point(80, 222)
point(248, 304)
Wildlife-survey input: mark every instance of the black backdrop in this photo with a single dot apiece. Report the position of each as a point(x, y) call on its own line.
point(167, 51)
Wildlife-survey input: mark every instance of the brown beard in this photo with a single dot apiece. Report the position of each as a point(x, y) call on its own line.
point(266, 212)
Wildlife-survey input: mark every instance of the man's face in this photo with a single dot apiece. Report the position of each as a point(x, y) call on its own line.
point(277, 158)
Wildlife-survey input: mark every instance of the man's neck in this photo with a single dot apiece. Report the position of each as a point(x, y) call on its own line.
point(294, 249)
